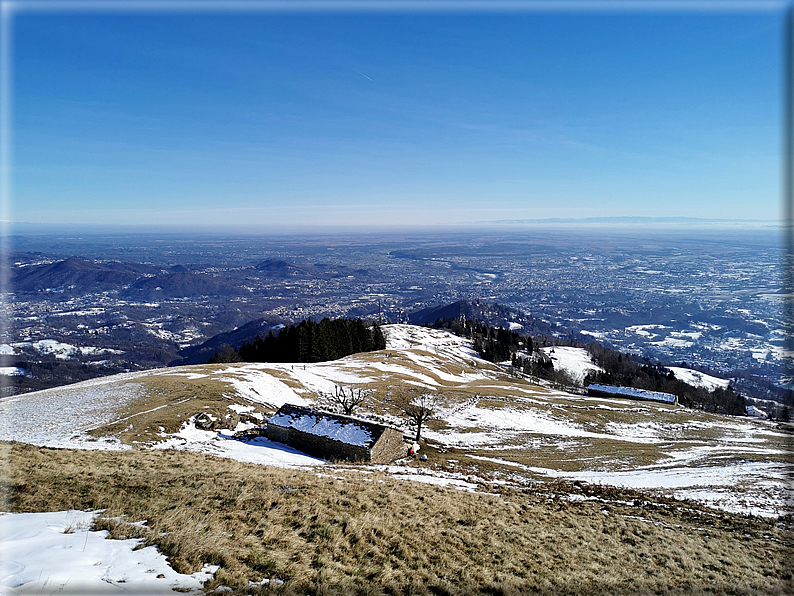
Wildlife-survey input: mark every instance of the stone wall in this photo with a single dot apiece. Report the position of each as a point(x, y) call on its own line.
point(388, 447)
point(326, 448)
point(277, 433)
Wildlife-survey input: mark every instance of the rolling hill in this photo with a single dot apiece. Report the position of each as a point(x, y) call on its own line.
point(75, 274)
point(495, 423)
point(499, 437)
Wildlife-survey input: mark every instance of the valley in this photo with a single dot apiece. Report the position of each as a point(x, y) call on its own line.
point(710, 300)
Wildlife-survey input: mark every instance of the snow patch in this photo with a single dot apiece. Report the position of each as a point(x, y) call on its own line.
point(698, 379)
point(575, 361)
point(258, 450)
point(47, 553)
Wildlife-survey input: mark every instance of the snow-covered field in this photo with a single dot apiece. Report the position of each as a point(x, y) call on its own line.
point(736, 464)
point(55, 552)
point(575, 361)
point(698, 379)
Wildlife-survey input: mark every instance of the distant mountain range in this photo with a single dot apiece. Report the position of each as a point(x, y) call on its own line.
point(138, 281)
point(642, 220)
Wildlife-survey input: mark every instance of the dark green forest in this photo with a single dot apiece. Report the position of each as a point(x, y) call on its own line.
point(308, 341)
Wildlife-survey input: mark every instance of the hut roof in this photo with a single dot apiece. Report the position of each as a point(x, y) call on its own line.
point(632, 392)
point(345, 429)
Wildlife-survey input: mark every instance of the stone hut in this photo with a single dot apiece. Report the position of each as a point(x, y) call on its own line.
point(333, 436)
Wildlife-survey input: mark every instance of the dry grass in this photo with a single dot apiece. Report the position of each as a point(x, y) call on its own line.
point(169, 401)
point(370, 534)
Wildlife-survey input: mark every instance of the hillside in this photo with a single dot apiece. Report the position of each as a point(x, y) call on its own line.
point(494, 423)
point(73, 274)
point(516, 446)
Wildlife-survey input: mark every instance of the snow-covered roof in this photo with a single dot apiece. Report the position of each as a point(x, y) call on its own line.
point(326, 424)
point(632, 392)
point(756, 412)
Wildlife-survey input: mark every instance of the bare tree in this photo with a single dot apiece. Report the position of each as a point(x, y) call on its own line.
point(347, 399)
point(419, 407)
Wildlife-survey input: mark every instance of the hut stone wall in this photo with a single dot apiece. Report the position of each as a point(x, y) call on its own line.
point(388, 447)
point(387, 444)
point(325, 447)
point(280, 434)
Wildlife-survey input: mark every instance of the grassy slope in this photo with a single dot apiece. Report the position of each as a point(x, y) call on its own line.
point(171, 398)
point(368, 533)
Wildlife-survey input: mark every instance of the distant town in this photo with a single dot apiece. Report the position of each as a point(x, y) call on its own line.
point(91, 305)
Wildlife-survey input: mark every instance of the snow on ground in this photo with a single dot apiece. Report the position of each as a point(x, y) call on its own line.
point(437, 480)
point(422, 379)
point(643, 330)
point(78, 313)
point(769, 504)
point(62, 351)
point(12, 371)
point(433, 365)
point(427, 355)
point(597, 334)
point(49, 553)
point(428, 476)
point(766, 488)
point(60, 417)
point(496, 426)
point(674, 341)
point(321, 377)
point(698, 379)
point(403, 337)
point(222, 443)
point(255, 383)
point(575, 361)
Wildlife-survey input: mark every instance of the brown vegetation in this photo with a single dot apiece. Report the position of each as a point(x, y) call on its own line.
point(371, 534)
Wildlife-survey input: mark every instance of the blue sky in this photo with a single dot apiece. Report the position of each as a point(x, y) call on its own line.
point(274, 119)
